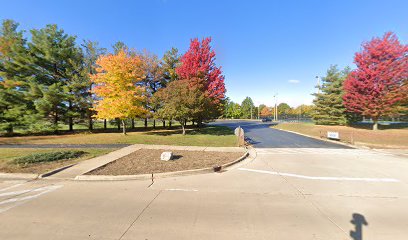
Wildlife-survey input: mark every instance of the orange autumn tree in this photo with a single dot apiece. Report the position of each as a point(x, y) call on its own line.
point(266, 112)
point(117, 87)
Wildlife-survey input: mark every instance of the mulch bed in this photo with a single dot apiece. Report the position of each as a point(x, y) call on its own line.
point(147, 161)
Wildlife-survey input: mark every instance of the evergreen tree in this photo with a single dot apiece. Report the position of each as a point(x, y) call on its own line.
point(56, 66)
point(15, 108)
point(247, 108)
point(329, 108)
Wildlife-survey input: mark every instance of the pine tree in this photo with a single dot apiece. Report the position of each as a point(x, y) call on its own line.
point(56, 65)
point(329, 108)
point(15, 108)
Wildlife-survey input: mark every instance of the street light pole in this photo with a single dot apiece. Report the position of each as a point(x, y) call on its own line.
point(275, 112)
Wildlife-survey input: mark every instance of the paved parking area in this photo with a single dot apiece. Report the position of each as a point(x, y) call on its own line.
point(311, 194)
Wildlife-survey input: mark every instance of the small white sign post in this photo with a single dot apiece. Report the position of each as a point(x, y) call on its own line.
point(333, 135)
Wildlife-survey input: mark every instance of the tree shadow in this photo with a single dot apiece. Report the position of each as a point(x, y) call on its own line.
point(358, 221)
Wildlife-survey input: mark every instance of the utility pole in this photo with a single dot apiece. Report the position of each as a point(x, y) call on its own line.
point(275, 112)
point(258, 112)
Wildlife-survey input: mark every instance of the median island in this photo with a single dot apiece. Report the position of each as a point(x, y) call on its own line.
point(147, 161)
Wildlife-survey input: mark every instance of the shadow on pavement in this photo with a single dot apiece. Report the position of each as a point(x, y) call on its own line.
point(358, 221)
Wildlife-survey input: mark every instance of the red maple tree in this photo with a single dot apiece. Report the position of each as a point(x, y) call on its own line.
point(199, 62)
point(379, 84)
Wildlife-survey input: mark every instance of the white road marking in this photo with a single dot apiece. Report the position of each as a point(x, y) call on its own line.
point(23, 191)
point(21, 200)
point(10, 187)
point(180, 189)
point(322, 178)
point(272, 151)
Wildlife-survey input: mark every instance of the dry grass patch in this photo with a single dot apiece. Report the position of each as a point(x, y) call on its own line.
point(147, 161)
point(387, 138)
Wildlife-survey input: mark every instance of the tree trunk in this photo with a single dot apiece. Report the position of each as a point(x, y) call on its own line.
point(375, 125)
point(104, 124)
point(70, 119)
point(192, 123)
point(124, 127)
point(56, 121)
point(133, 123)
point(164, 123)
point(90, 123)
point(145, 122)
point(182, 122)
point(154, 123)
point(118, 122)
point(169, 123)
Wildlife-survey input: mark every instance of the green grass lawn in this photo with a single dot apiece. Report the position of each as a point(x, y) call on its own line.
point(7, 156)
point(213, 136)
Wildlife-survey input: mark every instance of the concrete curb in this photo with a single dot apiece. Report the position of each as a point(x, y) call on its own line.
point(24, 176)
point(157, 175)
point(326, 140)
point(52, 172)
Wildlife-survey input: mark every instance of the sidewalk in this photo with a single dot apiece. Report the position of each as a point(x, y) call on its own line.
point(90, 164)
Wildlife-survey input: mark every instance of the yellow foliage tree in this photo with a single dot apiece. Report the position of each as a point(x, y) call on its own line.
point(117, 87)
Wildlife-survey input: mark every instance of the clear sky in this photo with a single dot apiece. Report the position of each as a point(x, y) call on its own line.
point(264, 47)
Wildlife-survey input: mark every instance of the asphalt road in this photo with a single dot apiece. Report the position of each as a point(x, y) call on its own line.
point(262, 136)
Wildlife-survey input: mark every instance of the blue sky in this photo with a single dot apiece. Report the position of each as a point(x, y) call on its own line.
point(264, 47)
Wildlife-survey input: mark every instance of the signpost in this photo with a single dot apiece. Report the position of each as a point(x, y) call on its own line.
point(239, 132)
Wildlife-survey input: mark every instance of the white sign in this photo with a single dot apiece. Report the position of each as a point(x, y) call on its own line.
point(333, 135)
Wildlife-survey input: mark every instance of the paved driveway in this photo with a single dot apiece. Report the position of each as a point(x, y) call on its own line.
point(280, 193)
point(263, 136)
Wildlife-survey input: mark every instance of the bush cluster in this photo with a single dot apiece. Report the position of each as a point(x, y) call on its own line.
point(48, 157)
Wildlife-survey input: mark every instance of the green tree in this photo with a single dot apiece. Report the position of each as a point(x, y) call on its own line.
point(248, 108)
point(329, 108)
point(170, 62)
point(92, 51)
point(232, 109)
point(119, 46)
point(15, 107)
point(284, 109)
point(56, 65)
point(180, 101)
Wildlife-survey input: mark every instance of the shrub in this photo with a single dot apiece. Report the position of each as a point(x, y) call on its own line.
point(48, 157)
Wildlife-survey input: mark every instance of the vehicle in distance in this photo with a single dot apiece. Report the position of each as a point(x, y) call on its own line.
point(266, 119)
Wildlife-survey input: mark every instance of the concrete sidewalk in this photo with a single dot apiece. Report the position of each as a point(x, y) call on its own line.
point(88, 165)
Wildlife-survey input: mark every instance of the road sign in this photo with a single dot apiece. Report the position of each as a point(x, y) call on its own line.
point(333, 135)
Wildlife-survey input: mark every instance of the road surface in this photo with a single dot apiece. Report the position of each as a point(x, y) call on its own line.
point(278, 193)
point(262, 136)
